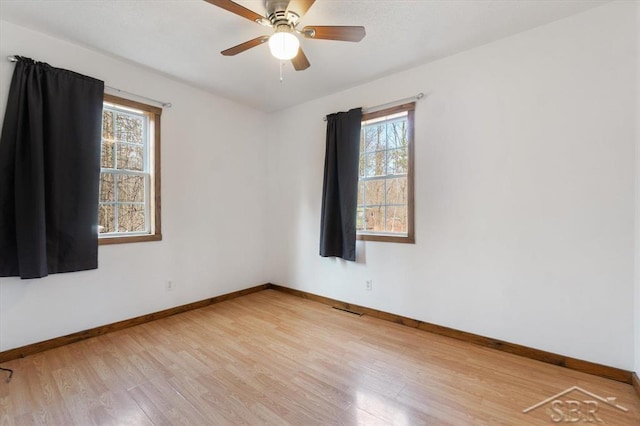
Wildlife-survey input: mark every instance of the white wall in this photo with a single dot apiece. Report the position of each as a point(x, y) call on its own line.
point(524, 192)
point(213, 193)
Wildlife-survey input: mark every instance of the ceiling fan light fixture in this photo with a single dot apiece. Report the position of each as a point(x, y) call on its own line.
point(284, 44)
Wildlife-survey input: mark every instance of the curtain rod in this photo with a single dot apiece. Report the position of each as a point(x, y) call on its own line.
point(389, 104)
point(163, 104)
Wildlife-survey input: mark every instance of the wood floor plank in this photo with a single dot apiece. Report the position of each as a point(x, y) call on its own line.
point(6, 412)
point(273, 358)
point(116, 408)
point(164, 405)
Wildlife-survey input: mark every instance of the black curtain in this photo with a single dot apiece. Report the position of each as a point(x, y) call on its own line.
point(49, 171)
point(340, 189)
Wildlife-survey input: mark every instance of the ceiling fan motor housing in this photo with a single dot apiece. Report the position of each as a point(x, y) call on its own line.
point(278, 15)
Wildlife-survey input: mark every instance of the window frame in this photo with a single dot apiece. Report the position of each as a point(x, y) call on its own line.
point(154, 212)
point(409, 238)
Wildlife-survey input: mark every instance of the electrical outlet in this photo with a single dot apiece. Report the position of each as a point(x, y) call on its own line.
point(170, 285)
point(369, 285)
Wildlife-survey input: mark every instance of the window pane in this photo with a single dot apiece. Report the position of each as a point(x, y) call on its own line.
point(397, 191)
point(107, 124)
point(361, 199)
point(397, 161)
point(374, 218)
point(382, 134)
point(380, 163)
point(107, 156)
point(131, 188)
point(360, 219)
point(362, 166)
point(374, 191)
point(131, 218)
point(129, 128)
point(396, 219)
point(106, 219)
point(106, 187)
point(130, 157)
point(368, 165)
point(374, 164)
point(397, 133)
point(372, 138)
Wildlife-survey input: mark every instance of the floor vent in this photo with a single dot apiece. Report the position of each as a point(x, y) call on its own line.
point(348, 311)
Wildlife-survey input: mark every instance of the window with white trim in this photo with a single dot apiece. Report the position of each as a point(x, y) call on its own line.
point(385, 177)
point(129, 204)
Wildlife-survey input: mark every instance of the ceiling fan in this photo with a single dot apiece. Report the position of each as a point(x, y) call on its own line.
point(283, 16)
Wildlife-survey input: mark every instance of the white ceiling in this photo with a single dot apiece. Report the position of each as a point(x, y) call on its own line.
point(183, 38)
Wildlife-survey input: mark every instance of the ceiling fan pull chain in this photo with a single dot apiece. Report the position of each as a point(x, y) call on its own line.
point(281, 66)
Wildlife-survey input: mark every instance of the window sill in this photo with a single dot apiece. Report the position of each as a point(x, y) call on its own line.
point(409, 239)
point(131, 239)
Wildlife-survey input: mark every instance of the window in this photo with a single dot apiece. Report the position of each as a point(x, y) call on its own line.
point(385, 178)
point(129, 209)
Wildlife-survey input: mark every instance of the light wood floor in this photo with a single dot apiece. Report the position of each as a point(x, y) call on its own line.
point(272, 358)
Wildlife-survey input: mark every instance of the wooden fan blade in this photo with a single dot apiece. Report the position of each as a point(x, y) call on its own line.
point(300, 6)
point(334, 33)
point(237, 9)
point(245, 46)
point(300, 62)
